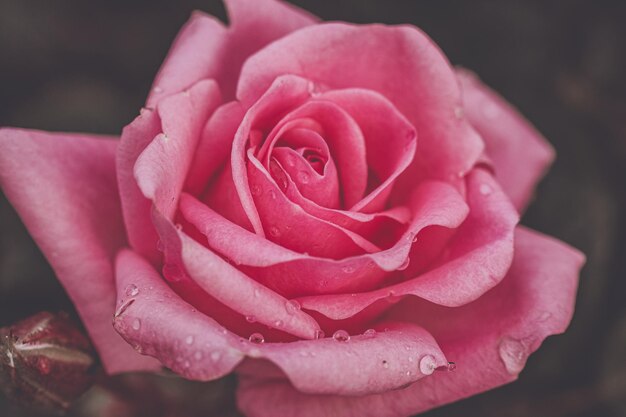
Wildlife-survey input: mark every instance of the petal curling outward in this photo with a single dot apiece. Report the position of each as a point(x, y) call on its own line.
point(535, 300)
point(63, 187)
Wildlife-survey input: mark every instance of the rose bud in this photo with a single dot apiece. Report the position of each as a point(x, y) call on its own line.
point(328, 210)
point(45, 361)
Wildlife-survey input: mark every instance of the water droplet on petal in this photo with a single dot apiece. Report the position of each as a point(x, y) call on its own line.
point(292, 306)
point(256, 190)
point(341, 336)
point(136, 324)
point(272, 194)
point(427, 364)
point(304, 177)
point(160, 246)
point(370, 333)
point(278, 324)
point(274, 231)
point(385, 364)
point(256, 338)
point(348, 269)
point(404, 264)
point(189, 340)
point(216, 355)
point(319, 334)
point(157, 89)
point(198, 355)
point(513, 354)
point(485, 189)
point(122, 308)
point(451, 366)
point(250, 319)
point(187, 364)
point(132, 290)
point(172, 272)
point(257, 292)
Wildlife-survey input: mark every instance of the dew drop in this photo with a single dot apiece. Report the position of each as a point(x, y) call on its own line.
point(370, 333)
point(292, 306)
point(136, 324)
point(216, 355)
point(278, 324)
point(256, 338)
point(304, 177)
point(157, 90)
point(405, 264)
point(348, 269)
point(257, 292)
point(513, 354)
point(414, 239)
point(272, 194)
point(274, 231)
point(160, 246)
point(341, 336)
point(132, 290)
point(43, 364)
point(485, 189)
point(198, 355)
point(172, 272)
point(255, 190)
point(427, 364)
point(189, 340)
point(187, 364)
point(319, 334)
point(451, 366)
point(313, 89)
point(250, 319)
point(385, 364)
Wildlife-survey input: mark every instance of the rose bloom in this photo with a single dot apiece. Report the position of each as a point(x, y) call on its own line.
point(329, 210)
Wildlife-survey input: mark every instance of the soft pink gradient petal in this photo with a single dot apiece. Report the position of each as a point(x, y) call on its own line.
point(390, 140)
point(162, 167)
point(520, 155)
point(292, 273)
point(135, 206)
point(205, 48)
point(153, 319)
point(364, 364)
point(478, 257)
point(488, 339)
point(63, 187)
point(399, 62)
point(214, 146)
point(241, 293)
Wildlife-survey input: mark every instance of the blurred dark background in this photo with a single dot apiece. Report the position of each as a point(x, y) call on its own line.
point(79, 65)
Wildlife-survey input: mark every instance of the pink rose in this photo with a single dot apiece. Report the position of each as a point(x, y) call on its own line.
point(329, 210)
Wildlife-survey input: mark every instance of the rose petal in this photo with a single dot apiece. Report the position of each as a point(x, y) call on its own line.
point(135, 206)
point(204, 48)
point(241, 293)
point(364, 364)
point(489, 340)
point(292, 273)
point(162, 167)
point(63, 187)
point(478, 258)
point(214, 146)
point(424, 87)
point(390, 140)
point(151, 317)
point(520, 154)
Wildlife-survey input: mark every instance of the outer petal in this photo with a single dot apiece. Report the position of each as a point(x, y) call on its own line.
point(477, 258)
point(205, 48)
point(151, 317)
point(63, 186)
point(162, 167)
point(489, 339)
point(520, 155)
point(364, 364)
point(401, 63)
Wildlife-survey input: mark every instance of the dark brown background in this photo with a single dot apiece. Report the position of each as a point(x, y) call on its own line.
point(79, 65)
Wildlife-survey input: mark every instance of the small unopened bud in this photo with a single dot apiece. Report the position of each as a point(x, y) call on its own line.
point(45, 361)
